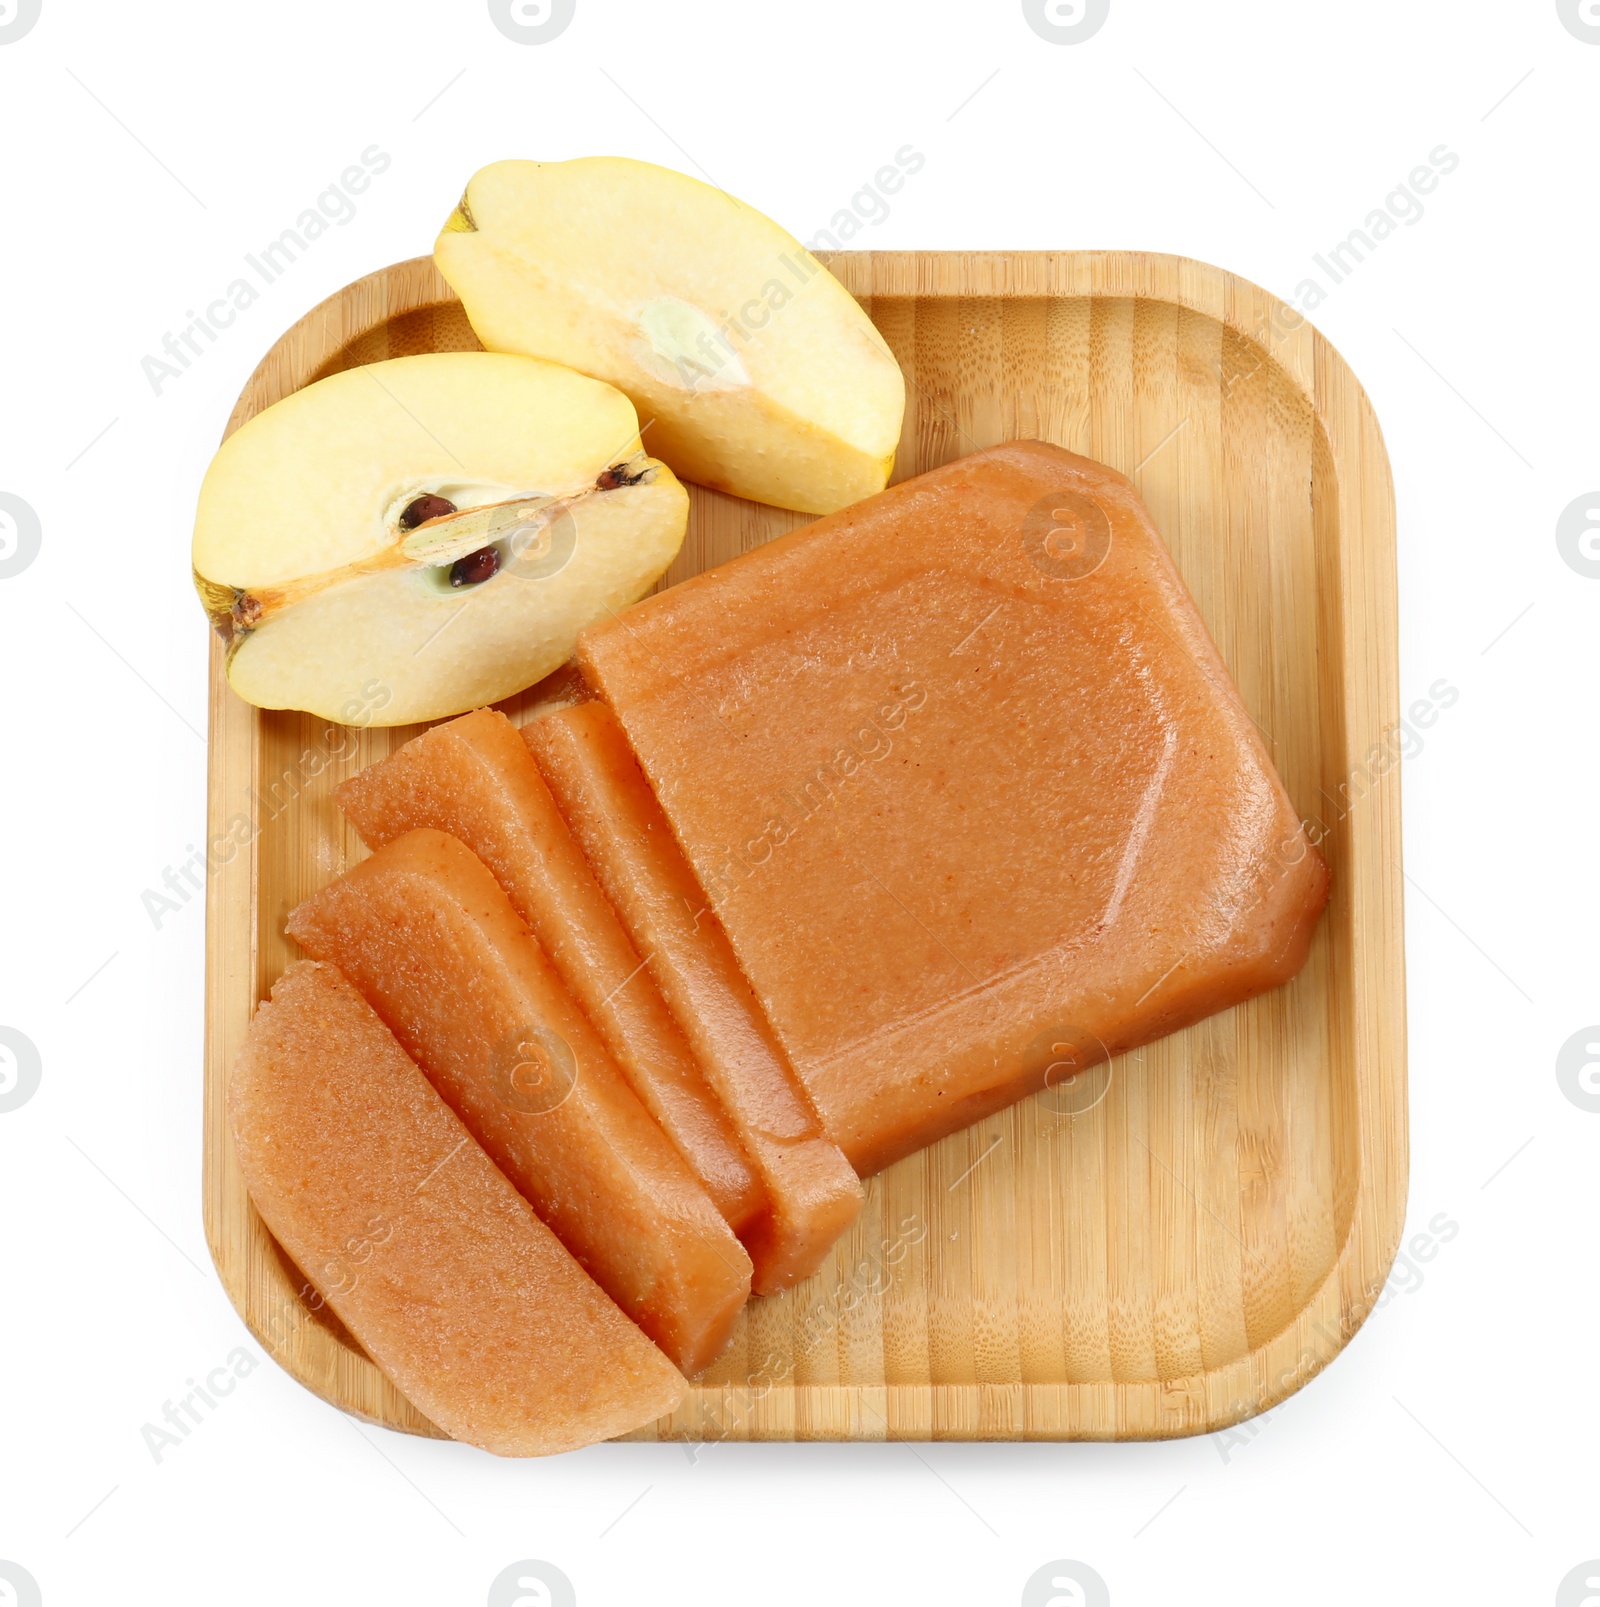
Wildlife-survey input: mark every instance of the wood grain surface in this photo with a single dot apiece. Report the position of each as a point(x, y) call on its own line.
point(1209, 1234)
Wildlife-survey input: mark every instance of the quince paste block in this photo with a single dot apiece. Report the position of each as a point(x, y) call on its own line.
point(813, 1194)
point(425, 933)
point(475, 779)
point(441, 1270)
point(963, 775)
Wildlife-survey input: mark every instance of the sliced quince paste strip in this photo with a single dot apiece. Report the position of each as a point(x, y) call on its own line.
point(426, 934)
point(475, 779)
point(608, 804)
point(441, 1270)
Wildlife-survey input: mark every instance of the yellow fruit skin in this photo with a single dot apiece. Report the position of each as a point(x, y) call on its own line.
point(790, 397)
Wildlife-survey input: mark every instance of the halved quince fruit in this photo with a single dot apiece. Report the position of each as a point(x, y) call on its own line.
point(414, 538)
point(755, 370)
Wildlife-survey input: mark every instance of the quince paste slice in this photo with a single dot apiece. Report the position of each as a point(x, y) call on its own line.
point(428, 1255)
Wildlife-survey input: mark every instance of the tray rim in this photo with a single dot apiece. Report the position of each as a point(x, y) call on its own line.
point(1367, 612)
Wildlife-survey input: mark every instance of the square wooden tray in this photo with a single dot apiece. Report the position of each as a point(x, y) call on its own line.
point(1208, 1236)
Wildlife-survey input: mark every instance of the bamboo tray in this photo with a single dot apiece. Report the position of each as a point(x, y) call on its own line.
point(1210, 1233)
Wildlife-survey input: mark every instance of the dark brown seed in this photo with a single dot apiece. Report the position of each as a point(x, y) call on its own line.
point(421, 509)
point(617, 475)
point(475, 568)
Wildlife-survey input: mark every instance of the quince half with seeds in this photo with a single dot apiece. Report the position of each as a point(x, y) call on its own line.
point(410, 539)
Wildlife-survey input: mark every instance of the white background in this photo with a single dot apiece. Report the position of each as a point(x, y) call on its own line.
point(1450, 1453)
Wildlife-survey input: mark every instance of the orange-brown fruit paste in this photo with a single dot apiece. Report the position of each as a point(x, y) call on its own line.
point(441, 1270)
point(963, 777)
